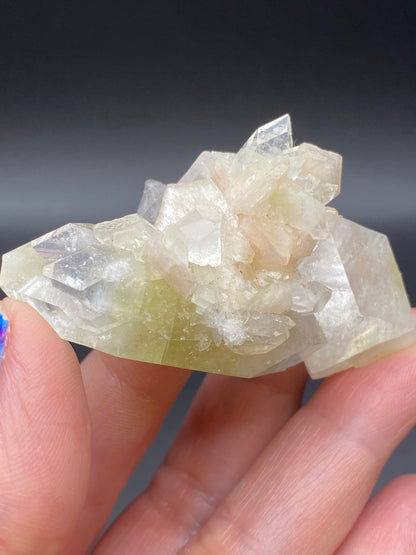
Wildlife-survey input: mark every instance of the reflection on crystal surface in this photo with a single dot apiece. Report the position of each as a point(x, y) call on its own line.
point(68, 239)
point(272, 138)
point(78, 270)
point(239, 268)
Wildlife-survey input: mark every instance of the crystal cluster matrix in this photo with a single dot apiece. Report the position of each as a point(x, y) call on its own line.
point(240, 268)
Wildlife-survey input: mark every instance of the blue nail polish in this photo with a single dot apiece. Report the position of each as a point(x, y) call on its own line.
point(4, 324)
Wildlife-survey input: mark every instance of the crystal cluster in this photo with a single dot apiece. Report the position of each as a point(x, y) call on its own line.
point(240, 268)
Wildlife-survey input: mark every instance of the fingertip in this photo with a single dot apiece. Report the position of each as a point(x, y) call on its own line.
point(28, 333)
point(45, 430)
point(38, 367)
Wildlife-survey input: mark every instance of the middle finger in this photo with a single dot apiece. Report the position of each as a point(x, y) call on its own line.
point(230, 422)
point(305, 491)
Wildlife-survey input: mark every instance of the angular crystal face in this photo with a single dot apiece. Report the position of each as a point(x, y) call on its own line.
point(151, 200)
point(272, 138)
point(240, 268)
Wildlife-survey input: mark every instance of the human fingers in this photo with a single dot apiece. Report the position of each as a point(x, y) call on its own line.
point(388, 522)
point(306, 490)
point(44, 436)
point(128, 401)
point(230, 422)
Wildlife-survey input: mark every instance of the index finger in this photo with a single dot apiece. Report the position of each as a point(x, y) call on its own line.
point(128, 401)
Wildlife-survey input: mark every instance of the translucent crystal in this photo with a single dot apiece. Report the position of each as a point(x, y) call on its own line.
point(240, 268)
point(151, 200)
point(272, 138)
point(208, 165)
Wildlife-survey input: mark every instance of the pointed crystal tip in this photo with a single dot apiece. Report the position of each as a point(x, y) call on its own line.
point(271, 138)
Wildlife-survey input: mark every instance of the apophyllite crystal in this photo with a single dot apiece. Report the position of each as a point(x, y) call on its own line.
point(240, 268)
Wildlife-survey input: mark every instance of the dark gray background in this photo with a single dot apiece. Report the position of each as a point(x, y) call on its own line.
point(97, 96)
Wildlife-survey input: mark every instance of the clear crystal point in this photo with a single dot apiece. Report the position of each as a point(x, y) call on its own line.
point(151, 200)
point(272, 138)
point(240, 268)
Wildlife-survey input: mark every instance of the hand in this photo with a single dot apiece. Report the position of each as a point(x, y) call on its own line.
point(250, 472)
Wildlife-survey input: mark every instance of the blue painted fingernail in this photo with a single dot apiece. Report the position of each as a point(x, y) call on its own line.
point(4, 324)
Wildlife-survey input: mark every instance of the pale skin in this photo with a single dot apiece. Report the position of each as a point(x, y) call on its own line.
point(250, 472)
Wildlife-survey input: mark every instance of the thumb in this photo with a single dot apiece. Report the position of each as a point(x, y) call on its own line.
point(44, 434)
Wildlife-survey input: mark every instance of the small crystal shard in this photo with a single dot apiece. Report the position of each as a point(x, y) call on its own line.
point(151, 200)
point(240, 268)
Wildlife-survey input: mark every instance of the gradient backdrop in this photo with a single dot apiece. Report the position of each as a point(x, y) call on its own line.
point(97, 96)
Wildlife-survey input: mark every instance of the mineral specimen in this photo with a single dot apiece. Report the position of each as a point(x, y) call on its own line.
point(240, 268)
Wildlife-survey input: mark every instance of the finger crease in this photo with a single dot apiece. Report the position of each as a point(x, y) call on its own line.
point(181, 508)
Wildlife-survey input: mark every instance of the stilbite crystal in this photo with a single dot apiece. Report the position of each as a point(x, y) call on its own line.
point(240, 268)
